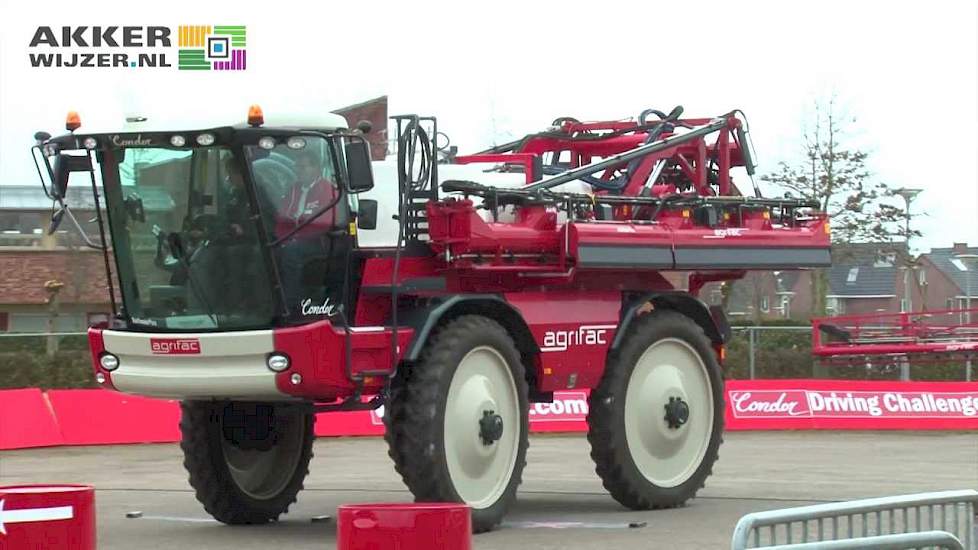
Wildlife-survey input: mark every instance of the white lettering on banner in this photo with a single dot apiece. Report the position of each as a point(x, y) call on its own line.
point(585, 335)
point(566, 407)
point(377, 416)
point(869, 404)
point(790, 403)
point(783, 405)
point(570, 406)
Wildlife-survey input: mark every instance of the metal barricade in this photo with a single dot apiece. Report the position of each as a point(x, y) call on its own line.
point(943, 519)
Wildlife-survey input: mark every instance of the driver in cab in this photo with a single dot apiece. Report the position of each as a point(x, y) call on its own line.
point(311, 193)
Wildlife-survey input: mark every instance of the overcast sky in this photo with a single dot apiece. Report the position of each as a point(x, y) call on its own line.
point(906, 71)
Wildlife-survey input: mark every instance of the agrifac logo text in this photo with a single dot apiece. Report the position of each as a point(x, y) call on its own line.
point(174, 346)
point(199, 47)
point(585, 335)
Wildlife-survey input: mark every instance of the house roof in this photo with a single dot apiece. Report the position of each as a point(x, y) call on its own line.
point(31, 198)
point(864, 253)
point(852, 280)
point(943, 259)
point(865, 269)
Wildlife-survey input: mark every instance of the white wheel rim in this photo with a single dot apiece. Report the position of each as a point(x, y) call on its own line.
point(263, 475)
point(482, 382)
point(668, 456)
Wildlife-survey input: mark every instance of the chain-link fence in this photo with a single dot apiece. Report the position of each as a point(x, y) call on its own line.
point(786, 352)
point(62, 360)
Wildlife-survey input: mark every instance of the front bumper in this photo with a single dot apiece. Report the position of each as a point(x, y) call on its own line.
point(217, 365)
point(233, 365)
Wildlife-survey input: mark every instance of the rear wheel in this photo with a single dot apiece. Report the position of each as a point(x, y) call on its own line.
point(656, 419)
point(457, 425)
point(247, 461)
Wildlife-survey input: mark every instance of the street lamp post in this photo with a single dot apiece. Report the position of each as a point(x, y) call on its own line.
point(908, 195)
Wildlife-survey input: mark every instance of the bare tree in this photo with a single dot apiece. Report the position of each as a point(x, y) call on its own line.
point(835, 174)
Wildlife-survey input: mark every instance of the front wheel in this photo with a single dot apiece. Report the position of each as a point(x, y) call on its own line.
point(656, 419)
point(457, 425)
point(246, 461)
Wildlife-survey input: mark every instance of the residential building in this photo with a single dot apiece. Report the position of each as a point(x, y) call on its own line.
point(946, 277)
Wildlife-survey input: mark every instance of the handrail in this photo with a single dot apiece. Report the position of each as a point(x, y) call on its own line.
point(748, 527)
point(902, 541)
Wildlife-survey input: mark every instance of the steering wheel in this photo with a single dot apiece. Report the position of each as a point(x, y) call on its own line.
point(209, 225)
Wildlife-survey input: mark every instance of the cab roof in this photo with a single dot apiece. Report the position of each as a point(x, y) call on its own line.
point(148, 123)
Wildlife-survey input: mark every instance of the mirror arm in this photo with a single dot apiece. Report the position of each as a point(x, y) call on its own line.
point(35, 150)
point(78, 227)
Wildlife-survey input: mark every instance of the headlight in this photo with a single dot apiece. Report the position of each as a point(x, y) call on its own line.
point(109, 362)
point(90, 143)
point(266, 142)
point(296, 143)
point(278, 362)
point(205, 139)
point(178, 141)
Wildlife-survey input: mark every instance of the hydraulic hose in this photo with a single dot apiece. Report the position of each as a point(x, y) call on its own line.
point(408, 144)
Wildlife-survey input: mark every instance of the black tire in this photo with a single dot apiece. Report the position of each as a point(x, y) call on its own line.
point(415, 417)
point(213, 433)
point(610, 451)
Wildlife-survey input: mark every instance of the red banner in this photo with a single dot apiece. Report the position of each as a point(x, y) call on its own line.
point(29, 418)
point(851, 405)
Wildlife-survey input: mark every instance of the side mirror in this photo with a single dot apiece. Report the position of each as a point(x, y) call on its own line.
point(367, 214)
point(360, 177)
point(64, 165)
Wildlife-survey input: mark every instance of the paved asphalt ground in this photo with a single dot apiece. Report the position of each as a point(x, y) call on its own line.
point(561, 502)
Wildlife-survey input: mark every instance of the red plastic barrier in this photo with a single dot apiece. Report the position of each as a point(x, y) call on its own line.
point(26, 420)
point(100, 417)
point(421, 526)
point(850, 405)
point(95, 417)
point(47, 516)
point(349, 423)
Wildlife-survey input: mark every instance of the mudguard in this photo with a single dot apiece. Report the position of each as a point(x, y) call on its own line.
point(712, 319)
point(424, 320)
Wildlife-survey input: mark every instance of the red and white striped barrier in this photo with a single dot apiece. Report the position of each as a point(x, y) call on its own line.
point(30, 418)
point(47, 516)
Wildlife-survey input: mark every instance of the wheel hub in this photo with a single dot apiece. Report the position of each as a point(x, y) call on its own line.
point(490, 427)
point(677, 412)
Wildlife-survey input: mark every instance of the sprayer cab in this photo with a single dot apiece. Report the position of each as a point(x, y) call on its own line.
point(186, 209)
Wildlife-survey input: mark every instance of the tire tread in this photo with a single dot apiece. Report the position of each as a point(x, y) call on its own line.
point(609, 448)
